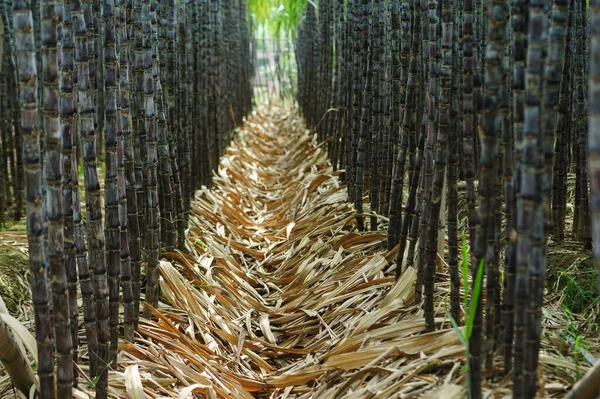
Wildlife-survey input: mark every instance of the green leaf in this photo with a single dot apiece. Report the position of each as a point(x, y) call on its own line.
point(276, 16)
point(465, 273)
point(456, 328)
point(465, 342)
point(475, 299)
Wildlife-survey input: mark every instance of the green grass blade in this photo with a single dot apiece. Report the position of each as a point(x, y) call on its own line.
point(475, 299)
point(465, 275)
point(456, 328)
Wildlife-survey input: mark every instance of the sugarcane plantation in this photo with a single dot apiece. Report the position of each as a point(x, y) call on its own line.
point(299, 199)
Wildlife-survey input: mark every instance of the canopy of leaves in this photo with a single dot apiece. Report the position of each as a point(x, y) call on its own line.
point(278, 17)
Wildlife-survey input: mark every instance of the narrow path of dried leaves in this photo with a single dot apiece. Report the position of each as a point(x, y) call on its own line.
point(278, 296)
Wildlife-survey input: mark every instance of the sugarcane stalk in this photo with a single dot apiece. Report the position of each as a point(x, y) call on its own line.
point(32, 161)
point(95, 229)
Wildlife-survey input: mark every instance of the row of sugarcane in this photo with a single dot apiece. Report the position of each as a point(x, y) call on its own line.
point(162, 84)
point(415, 96)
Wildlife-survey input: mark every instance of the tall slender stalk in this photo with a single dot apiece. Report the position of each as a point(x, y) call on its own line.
point(431, 130)
point(152, 238)
point(4, 126)
point(93, 200)
point(594, 128)
point(12, 107)
point(83, 270)
point(519, 46)
point(112, 123)
point(184, 46)
point(166, 201)
point(32, 161)
point(362, 170)
point(410, 125)
point(376, 110)
point(491, 124)
point(138, 142)
point(68, 136)
point(533, 176)
point(385, 162)
point(579, 116)
point(443, 132)
point(130, 244)
point(563, 136)
point(52, 136)
point(355, 10)
point(398, 91)
point(553, 74)
point(173, 116)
